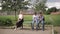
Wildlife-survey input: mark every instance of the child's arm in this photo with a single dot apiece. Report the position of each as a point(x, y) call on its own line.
point(42, 18)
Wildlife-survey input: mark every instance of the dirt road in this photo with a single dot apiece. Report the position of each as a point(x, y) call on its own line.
point(26, 30)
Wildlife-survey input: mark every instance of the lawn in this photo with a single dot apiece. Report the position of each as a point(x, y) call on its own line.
point(28, 19)
point(56, 20)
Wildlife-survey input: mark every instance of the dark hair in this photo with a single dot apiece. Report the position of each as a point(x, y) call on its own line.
point(40, 13)
point(35, 13)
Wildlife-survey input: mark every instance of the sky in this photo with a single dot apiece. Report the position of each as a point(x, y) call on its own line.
point(53, 3)
point(53, 0)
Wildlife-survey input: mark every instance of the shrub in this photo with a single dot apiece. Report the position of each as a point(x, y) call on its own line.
point(8, 22)
point(5, 21)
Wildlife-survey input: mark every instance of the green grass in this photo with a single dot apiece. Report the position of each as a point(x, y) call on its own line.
point(47, 20)
point(28, 19)
point(56, 20)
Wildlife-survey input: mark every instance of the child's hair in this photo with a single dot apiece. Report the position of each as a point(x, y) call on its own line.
point(35, 13)
point(40, 12)
point(42, 15)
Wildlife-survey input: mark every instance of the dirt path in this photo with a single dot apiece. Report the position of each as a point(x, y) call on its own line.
point(26, 30)
point(57, 29)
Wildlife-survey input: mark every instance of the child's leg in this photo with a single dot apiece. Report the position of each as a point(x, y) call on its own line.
point(33, 24)
point(15, 28)
point(16, 25)
point(42, 25)
point(37, 24)
point(22, 23)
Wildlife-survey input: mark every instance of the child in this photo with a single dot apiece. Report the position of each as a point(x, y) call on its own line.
point(20, 20)
point(35, 20)
point(41, 19)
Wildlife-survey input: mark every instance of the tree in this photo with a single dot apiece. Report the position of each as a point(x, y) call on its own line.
point(53, 9)
point(14, 5)
point(41, 6)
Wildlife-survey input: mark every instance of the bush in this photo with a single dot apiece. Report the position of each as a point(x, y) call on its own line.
point(8, 22)
point(5, 21)
point(53, 9)
point(47, 13)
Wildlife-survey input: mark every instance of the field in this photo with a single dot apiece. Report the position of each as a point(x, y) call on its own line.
point(49, 19)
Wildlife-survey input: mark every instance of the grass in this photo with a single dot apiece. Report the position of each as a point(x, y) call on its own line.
point(56, 20)
point(28, 19)
point(47, 20)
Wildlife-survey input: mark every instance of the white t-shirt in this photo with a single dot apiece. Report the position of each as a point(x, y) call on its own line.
point(20, 16)
point(35, 17)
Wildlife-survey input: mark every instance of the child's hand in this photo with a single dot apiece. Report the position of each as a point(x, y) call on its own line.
point(40, 19)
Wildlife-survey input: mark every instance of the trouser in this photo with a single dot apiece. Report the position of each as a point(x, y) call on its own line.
point(35, 21)
point(42, 22)
point(20, 23)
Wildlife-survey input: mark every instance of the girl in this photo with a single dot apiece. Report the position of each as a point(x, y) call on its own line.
point(20, 20)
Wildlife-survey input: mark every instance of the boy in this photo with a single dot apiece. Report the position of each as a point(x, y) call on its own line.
point(35, 20)
point(41, 20)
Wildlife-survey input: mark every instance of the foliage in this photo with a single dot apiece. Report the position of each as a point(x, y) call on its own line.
point(53, 9)
point(5, 21)
point(13, 5)
point(41, 6)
